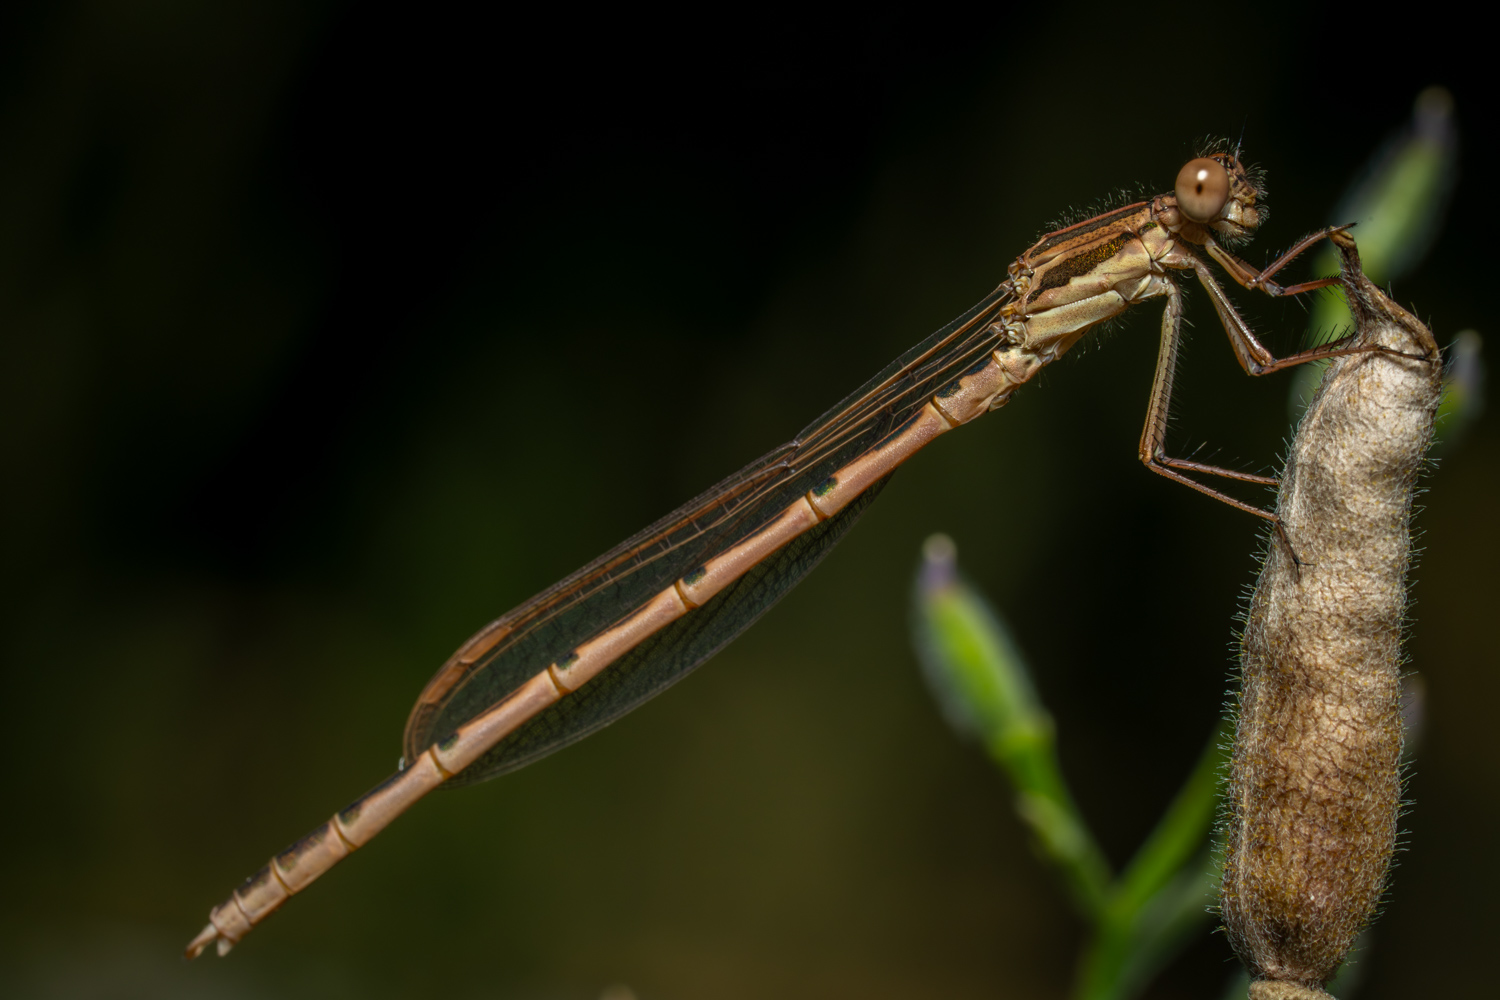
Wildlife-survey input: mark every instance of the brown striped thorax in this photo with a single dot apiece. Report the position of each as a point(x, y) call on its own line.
point(1093, 270)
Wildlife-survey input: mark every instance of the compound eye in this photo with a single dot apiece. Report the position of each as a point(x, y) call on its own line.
point(1202, 189)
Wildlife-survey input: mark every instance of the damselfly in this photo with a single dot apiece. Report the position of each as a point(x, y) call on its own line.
point(628, 625)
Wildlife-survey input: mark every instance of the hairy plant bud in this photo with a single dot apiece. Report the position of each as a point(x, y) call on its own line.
point(1315, 786)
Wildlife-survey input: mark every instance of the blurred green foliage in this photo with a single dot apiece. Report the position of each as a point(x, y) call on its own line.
point(1399, 203)
point(1138, 921)
point(1463, 395)
point(977, 675)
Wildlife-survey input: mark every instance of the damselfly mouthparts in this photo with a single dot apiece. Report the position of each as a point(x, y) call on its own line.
point(597, 644)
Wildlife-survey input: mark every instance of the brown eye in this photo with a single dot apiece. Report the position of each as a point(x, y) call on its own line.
point(1202, 189)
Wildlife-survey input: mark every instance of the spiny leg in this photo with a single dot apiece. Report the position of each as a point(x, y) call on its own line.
point(1154, 435)
point(1251, 353)
point(1249, 277)
point(1254, 356)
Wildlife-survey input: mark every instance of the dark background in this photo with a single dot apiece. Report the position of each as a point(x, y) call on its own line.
point(330, 331)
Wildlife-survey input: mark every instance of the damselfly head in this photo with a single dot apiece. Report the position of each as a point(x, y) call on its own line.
point(1217, 191)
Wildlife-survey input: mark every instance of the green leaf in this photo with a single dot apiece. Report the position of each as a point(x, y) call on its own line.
point(975, 671)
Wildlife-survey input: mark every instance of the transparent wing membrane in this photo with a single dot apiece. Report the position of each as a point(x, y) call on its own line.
point(669, 655)
point(522, 643)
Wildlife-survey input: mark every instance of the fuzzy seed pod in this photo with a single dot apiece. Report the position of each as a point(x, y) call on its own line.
point(1315, 786)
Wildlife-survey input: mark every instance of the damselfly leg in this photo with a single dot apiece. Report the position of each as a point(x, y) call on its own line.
point(1253, 356)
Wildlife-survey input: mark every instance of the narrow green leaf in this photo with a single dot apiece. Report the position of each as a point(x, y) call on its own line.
point(1399, 202)
point(980, 681)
